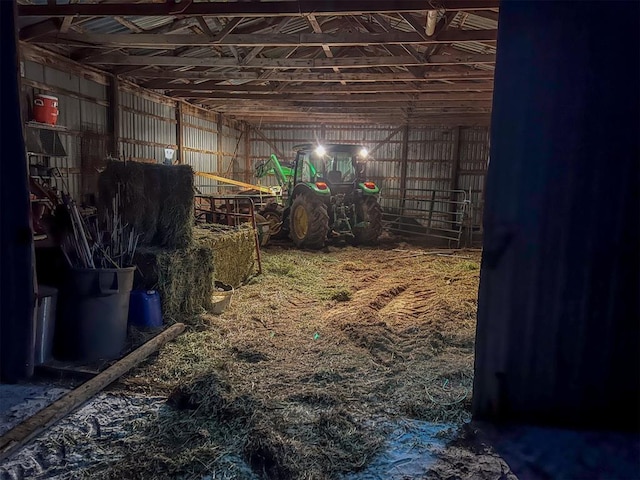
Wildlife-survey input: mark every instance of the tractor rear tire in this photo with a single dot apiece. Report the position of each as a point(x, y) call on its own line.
point(309, 222)
point(368, 210)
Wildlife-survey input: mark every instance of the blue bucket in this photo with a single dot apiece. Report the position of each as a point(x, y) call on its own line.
point(145, 309)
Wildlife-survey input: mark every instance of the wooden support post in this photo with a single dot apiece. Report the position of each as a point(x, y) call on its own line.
point(455, 175)
point(248, 167)
point(431, 207)
point(220, 126)
point(44, 419)
point(180, 132)
point(403, 167)
point(114, 115)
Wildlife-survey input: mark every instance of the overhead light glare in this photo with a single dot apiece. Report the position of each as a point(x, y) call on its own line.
point(320, 151)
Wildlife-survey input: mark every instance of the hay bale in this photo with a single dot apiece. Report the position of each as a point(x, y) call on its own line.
point(156, 199)
point(128, 180)
point(184, 278)
point(233, 251)
point(176, 219)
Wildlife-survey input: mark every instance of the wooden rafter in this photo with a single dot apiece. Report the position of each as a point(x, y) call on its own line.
point(291, 63)
point(210, 90)
point(250, 9)
point(162, 79)
point(274, 40)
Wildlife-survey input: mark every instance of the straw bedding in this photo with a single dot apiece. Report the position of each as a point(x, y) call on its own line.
point(296, 379)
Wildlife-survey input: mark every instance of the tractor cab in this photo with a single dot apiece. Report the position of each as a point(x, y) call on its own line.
point(336, 165)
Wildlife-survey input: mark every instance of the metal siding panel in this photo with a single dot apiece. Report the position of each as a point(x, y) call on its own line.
point(93, 117)
point(146, 136)
point(430, 154)
point(65, 80)
point(33, 71)
point(93, 89)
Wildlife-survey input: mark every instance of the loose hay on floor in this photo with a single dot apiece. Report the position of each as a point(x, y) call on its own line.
point(289, 383)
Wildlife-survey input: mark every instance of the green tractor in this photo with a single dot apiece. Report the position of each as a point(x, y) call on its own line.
point(324, 196)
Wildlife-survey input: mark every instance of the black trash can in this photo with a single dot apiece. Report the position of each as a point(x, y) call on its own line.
point(93, 325)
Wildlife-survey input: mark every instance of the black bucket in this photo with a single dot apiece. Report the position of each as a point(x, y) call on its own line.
point(94, 321)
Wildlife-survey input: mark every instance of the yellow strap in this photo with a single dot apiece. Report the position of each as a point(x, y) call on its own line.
point(235, 182)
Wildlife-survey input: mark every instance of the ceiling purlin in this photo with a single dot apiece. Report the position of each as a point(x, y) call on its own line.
point(361, 23)
point(280, 90)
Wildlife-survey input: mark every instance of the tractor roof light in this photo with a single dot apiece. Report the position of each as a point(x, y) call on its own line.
point(320, 151)
point(364, 153)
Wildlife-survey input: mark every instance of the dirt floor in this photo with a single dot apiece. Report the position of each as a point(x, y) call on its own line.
point(346, 364)
point(306, 375)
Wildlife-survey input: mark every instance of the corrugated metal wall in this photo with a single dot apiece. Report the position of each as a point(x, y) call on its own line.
point(200, 144)
point(148, 124)
point(431, 157)
point(474, 159)
point(83, 107)
point(212, 143)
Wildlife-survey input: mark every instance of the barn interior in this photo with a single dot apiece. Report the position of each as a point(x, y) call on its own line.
point(319, 240)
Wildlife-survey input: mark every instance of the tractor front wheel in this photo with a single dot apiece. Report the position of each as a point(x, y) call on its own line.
point(309, 222)
point(274, 213)
point(370, 212)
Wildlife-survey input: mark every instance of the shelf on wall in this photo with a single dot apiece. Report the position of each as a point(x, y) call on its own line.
point(46, 126)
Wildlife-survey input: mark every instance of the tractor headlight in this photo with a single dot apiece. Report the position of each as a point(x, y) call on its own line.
point(364, 153)
point(320, 151)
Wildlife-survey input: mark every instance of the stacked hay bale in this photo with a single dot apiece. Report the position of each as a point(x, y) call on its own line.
point(156, 199)
point(180, 261)
point(233, 251)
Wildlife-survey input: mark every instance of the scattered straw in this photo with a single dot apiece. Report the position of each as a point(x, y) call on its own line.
point(290, 384)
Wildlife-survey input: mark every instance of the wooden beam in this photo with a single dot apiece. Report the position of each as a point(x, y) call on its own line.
point(385, 140)
point(219, 138)
point(417, 25)
point(19, 435)
point(180, 132)
point(394, 50)
point(126, 23)
point(371, 98)
point(269, 40)
point(237, 105)
point(327, 50)
point(317, 117)
point(248, 167)
point(269, 142)
point(399, 109)
point(212, 90)
point(461, 58)
point(39, 29)
point(68, 20)
point(250, 9)
point(162, 77)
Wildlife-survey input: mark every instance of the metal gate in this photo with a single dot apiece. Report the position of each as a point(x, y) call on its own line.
point(442, 214)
